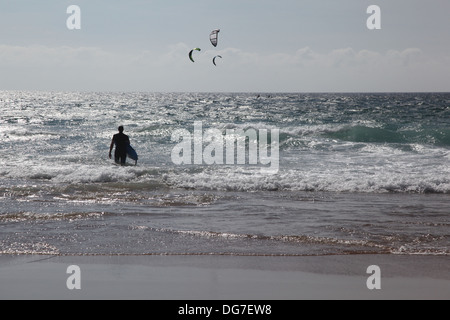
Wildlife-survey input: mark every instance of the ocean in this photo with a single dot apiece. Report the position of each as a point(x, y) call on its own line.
point(355, 174)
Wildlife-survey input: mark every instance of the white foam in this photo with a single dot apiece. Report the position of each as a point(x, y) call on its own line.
point(39, 248)
point(68, 173)
point(345, 180)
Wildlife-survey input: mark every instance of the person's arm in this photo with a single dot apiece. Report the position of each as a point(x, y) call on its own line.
point(111, 148)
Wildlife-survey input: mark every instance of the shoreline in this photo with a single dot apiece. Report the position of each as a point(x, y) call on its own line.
point(186, 277)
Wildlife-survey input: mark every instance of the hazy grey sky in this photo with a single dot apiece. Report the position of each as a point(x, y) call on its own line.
point(266, 45)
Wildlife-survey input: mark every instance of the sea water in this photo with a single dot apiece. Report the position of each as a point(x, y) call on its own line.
point(358, 173)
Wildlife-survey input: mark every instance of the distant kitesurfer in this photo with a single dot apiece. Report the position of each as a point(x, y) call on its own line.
point(121, 141)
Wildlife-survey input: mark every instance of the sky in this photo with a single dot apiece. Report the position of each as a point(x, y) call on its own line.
point(266, 46)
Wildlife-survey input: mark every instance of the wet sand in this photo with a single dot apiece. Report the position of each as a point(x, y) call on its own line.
point(224, 277)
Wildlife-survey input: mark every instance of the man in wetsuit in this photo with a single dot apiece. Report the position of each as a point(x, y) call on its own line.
point(121, 141)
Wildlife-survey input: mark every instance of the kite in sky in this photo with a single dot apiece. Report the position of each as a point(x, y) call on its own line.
point(214, 60)
point(214, 37)
point(192, 51)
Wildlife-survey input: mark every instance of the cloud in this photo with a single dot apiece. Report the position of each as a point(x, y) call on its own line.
point(344, 69)
point(169, 69)
point(33, 56)
point(337, 58)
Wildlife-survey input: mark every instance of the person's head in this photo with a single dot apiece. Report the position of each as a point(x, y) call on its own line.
point(121, 129)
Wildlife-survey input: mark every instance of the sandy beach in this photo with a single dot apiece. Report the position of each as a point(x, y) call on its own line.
point(224, 277)
point(224, 151)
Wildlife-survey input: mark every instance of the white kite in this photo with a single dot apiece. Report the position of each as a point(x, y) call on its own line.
point(214, 37)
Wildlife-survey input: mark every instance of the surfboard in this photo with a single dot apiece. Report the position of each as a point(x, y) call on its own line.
point(132, 153)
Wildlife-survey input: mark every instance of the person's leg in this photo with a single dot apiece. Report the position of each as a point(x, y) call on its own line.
point(121, 158)
point(124, 159)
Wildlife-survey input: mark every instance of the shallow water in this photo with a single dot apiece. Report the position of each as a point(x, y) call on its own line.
point(358, 173)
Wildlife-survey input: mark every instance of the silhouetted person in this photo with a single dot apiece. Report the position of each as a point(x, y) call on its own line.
point(121, 141)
